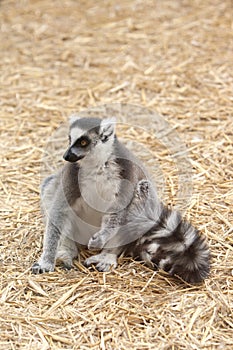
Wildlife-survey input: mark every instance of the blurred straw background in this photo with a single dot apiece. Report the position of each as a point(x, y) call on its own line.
point(172, 57)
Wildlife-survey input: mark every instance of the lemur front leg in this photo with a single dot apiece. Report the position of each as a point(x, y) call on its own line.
point(110, 225)
point(47, 260)
point(107, 259)
point(113, 223)
point(114, 243)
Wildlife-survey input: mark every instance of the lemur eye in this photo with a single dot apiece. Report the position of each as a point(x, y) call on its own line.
point(83, 143)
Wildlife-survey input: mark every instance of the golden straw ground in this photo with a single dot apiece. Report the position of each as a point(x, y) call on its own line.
point(173, 57)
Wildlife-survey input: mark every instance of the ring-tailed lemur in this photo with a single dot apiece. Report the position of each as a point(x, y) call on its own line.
point(103, 198)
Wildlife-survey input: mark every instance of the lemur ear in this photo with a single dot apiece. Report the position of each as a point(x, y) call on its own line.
point(107, 128)
point(73, 118)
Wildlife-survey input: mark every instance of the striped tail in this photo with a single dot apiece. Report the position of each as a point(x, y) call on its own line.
point(175, 246)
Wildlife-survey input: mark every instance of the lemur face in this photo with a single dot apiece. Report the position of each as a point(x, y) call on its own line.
point(79, 148)
point(86, 134)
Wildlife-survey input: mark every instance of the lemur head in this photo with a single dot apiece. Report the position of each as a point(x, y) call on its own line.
point(90, 137)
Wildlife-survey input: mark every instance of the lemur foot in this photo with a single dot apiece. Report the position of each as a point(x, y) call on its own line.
point(103, 261)
point(66, 259)
point(42, 267)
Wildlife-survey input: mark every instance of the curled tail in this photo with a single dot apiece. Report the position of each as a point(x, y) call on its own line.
point(175, 246)
point(162, 238)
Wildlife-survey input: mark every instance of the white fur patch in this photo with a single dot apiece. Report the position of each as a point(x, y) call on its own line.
point(152, 248)
point(190, 236)
point(75, 134)
point(99, 184)
point(164, 262)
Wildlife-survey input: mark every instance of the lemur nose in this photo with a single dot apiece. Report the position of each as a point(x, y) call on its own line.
point(69, 156)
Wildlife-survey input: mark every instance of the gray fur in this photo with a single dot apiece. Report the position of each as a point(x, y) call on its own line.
point(103, 198)
point(89, 200)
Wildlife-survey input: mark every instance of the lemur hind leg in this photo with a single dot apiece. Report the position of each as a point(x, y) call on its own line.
point(67, 251)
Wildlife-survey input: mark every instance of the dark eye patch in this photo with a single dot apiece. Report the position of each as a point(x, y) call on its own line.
point(83, 141)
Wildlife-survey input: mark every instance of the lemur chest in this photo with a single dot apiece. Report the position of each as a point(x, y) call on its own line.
point(99, 188)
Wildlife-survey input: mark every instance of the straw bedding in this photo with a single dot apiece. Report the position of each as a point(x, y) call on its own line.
point(173, 57)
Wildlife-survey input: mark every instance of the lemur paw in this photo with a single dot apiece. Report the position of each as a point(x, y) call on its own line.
point(103, 261)
point(96, 241)
point(42, 267)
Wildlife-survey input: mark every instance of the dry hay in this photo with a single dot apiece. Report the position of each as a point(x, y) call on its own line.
point(174, 57)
